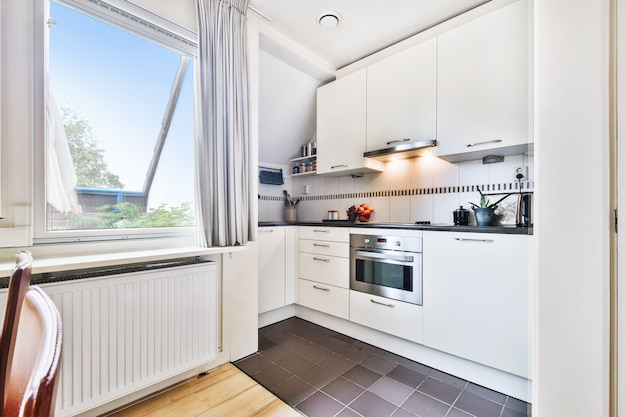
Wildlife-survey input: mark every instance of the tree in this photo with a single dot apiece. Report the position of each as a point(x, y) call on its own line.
point(91, 169)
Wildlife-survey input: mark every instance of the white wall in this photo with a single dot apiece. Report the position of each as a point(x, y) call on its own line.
point(572, 225)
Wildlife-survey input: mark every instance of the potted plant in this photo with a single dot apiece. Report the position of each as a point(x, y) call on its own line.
point(486, 211)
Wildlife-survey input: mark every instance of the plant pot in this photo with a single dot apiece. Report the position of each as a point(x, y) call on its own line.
point(486, 217)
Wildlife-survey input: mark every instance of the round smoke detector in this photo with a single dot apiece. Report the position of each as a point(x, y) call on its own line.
point(329, 20)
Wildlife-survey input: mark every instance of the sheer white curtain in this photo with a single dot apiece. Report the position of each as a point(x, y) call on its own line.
point(222, 124)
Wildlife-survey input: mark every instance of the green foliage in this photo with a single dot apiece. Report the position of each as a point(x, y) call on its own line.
point(484, 201)
point(128, 216)
point(88, 157)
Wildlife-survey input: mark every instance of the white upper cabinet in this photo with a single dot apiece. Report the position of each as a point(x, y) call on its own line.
point(341, 124)
point(401, 97)
point(483, 85)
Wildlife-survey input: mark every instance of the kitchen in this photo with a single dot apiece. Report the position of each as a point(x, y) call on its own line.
point(560, 141)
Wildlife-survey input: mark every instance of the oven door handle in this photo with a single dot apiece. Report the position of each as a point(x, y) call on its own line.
point(384, 256)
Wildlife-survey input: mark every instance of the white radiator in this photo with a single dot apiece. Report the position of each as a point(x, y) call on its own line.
point(126, 331)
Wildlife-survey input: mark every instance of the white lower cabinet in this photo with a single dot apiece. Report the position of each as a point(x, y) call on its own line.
point(390, 316)
point(326, 298)
point(476, 297)
point(324, 269)
point(276, 256)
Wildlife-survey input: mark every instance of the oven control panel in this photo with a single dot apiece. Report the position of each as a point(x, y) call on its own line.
point(401, 243)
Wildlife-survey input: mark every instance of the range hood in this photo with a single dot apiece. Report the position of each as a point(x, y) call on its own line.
point(403, 150)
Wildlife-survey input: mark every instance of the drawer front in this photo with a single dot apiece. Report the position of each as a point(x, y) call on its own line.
point(324, 247)
point(324, 269)
point(335, 234)
point(325, 298)
point(390, 316)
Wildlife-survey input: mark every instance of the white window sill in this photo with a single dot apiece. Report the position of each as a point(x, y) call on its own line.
point(68, 263)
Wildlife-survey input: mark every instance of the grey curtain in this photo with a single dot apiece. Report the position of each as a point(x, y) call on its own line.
point(222, 124)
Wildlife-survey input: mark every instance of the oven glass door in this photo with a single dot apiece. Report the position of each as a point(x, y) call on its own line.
point(389, 274)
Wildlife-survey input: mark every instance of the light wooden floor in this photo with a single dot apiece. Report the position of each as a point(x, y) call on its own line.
point(223, 392)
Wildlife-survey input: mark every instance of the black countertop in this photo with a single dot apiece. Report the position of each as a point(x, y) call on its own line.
point(505, 229)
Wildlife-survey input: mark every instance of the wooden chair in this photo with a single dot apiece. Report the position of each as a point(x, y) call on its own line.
point(30, 347)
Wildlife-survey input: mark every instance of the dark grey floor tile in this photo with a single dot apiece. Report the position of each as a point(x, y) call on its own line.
point(378, 364)
point(276, 353)
point(315, 353)
point(406, 376)
point(370, 405)
point(439, 390)
point(320, 405)
point(416, 366)
point(295, 344)
point(356, 351)
point(337, 364)
point(253, 364)
point(332, 343)
point(343, 390)
point(347, 412)
point(391, 390)
point(295, 363)
point(425, 406)
point(509, 412)
point(317, 376)
point(265, 343)
point(293, 391)
point(455, 412)
point(448, 379)
point(478, 405)
point(401, 412)
point(486, 393)
point(272, 376)
point(517, 405)
point(362, 376)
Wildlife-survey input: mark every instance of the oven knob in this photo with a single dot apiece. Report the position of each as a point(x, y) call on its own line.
point(366, 241)
point(398, 243)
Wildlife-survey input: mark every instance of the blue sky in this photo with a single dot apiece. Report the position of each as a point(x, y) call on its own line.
point(120, 84)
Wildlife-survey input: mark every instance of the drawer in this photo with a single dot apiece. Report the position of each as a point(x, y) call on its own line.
point(325, 298)
point(390, 316)
point(323, 247)
point(335, 234)
point(324, 269)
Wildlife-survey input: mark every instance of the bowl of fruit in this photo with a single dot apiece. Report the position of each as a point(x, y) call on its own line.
point(361, 213)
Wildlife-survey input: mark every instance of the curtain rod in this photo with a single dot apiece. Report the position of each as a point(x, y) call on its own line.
point(263, 15)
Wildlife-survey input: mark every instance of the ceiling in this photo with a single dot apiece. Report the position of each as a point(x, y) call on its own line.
point(366, 26)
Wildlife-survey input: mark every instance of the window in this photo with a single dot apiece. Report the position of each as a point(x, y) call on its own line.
point(120, 100)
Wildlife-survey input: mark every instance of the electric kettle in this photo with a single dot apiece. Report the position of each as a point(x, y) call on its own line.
point(522, 217)
point(461, 216)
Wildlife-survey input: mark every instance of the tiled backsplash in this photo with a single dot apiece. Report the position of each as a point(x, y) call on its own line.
point(424, 189)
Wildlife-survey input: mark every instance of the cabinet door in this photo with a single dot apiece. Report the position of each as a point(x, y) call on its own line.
point(331, 270)
point(476, 297)
point(271, 261)
point(341, 126)
point(401, 94)
point(483, 84)
point(322, 297)
point(390, 316)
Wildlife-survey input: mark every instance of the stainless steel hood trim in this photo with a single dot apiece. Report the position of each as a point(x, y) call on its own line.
point(407, 150)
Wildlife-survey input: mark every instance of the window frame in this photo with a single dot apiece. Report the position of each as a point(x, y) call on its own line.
point(139, 22)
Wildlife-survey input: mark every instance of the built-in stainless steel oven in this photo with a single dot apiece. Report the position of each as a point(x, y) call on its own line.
point(389, 266)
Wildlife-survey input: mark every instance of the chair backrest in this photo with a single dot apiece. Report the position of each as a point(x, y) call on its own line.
point(30, 347)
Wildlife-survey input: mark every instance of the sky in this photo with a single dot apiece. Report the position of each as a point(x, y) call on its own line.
point(120, 83)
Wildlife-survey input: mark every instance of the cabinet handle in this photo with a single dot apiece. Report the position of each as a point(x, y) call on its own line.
point(321, 231)
point(321, 259)
point(464, 239)
point(321, 288)
point(469, 145)
point(339, 166)
point(383, 304)
point(266, 230)
point(321, 246)
point(398, 140)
